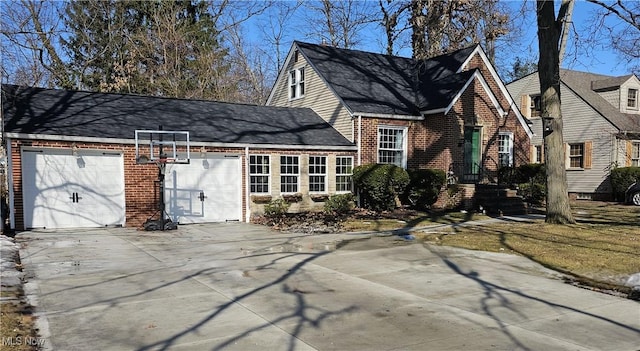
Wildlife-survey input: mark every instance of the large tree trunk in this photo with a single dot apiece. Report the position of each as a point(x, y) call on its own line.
point(418, 27)
point(558, 209)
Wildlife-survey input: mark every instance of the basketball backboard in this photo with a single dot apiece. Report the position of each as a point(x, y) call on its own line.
point(162, 146)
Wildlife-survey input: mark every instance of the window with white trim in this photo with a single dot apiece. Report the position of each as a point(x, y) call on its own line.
point(576, 155)
point(635, 154)
point(505, 149)
point(289, 174)
point(392, 145)
point(259, 174)
point(296, 83)
point(344, 172)
point(632, 98)
point(317, 174)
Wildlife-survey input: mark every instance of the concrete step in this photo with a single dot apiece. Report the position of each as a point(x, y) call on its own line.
point(498, 200)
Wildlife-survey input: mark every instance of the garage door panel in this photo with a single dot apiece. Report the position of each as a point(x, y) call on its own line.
point(181, 202)
point(206, 190)
point(100, 190)
point(61, 190)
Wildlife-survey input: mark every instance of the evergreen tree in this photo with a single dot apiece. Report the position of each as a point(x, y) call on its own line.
point(163, 48)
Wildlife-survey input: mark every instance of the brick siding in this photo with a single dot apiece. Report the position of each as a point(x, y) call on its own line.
point(139, 180)
point(436, 142)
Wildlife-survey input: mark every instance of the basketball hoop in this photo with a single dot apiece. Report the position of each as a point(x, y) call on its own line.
point(164, 147)
point(154, 145)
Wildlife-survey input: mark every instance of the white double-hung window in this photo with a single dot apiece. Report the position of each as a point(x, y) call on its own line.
point(632, 98)
point(259, 174)
point(289, 174)
point(296, 83)
point(392, 145)
point(317, 174)
point(344, 172)
point(505, 149)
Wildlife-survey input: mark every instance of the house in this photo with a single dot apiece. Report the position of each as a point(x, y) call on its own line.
point(601, 126)
point(450, 112)
point(72, 159)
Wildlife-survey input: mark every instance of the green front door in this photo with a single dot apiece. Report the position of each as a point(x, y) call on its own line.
point(471, 154)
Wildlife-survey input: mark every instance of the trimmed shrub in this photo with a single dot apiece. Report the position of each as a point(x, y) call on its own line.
point(379, 185)
point(339, 204)
point(532, 181)
point(536, 171)
point(276, 208)
point(622, 178)
point(424, 187)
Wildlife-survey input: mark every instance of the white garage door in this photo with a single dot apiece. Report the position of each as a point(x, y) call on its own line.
point(205, 190)
point(61, 190)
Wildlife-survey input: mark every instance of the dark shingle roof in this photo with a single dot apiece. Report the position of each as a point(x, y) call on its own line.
point(100, 115)
point(581, 83)
point(383, 84)
point(441, 92)
point(609, 82)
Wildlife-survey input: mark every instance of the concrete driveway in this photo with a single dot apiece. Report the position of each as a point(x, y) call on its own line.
point(238, 286)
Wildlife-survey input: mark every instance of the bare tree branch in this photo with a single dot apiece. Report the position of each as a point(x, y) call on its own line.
point(624, 13)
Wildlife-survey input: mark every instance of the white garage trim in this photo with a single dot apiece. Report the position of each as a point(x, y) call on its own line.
point(208, 189)
point(67, 188)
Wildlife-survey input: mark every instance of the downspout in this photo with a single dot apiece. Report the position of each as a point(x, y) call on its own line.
point(616, 150)
point(359, 154)
point(359, 140)
point(247, 216)
point(9, 180)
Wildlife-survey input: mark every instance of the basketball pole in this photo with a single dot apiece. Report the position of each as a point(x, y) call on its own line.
point(156, 138)
point(162, 167)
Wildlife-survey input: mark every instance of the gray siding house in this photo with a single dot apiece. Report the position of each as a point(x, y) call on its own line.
point(601, 118)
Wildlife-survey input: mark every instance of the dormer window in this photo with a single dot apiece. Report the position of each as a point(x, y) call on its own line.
point(296, 83)
point(632, 98)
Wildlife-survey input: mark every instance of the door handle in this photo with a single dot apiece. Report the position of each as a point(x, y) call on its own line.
point(201, 196)
point(75, 197)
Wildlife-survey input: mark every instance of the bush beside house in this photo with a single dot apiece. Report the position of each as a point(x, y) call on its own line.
point(379, 185)
point(424, 187)
point(622, 178)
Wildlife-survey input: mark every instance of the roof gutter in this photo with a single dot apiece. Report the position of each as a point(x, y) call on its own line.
point(629, 134)
point(390, 116)
point(29, 136)
point(434, 111)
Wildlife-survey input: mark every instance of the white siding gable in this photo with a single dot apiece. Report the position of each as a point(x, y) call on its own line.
point(317, 96)
point(632, 84)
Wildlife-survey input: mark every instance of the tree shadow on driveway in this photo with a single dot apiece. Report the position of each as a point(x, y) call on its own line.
point(494, 292)
point(301, 312)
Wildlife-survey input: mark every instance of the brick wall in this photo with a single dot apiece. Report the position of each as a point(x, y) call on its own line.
point(139, 180)
point(437, 141)
point(141, 195)
point(510, 123)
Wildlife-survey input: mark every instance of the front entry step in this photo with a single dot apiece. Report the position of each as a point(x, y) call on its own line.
point(498, 200)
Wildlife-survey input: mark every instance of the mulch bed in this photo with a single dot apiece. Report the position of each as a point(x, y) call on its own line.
point(321, 222)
